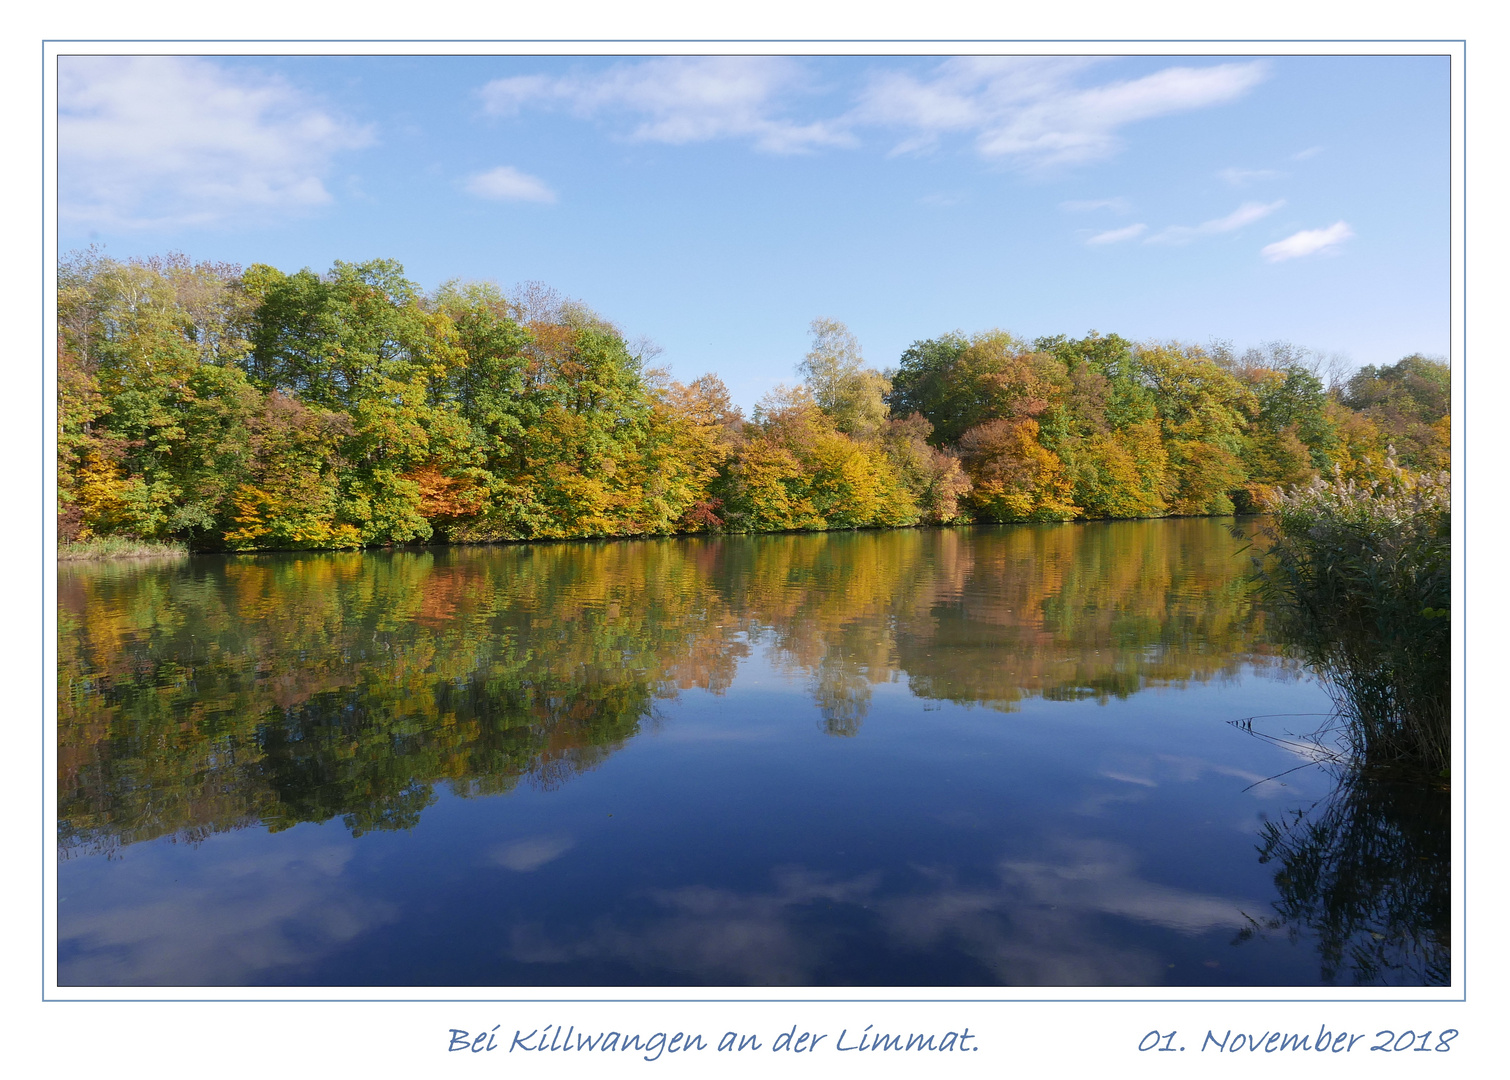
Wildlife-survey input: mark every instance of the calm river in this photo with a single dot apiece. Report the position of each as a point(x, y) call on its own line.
point(974, 756)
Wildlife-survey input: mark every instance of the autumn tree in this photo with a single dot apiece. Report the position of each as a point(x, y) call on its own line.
point(1203, 414)
point(794, 469)
point(1292, 435)
point(261, 409)
point(358, 340)
point(834, 372)
point(151, 403)
point(1410, 403)
point(1104, 427)
point(934, 478)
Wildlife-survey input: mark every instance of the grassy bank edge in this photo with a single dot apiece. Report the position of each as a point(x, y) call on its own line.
point(114, 547)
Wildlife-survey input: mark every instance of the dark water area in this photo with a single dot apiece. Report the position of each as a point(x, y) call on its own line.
point(926, 757)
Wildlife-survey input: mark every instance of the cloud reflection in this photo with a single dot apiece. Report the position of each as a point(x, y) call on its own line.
point(531, 853)
point(1060, 920)
point(715, 936)
point(228, 927)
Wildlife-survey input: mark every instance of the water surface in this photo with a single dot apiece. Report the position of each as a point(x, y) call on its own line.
point(982, 756)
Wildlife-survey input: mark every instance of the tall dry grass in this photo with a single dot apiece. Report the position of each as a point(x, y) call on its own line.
point(1360, 577)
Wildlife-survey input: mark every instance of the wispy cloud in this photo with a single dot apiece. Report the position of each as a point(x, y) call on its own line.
point(1116, 236)
point(508, 184)
point(1244, 177)
point(1026, 111)
point(1031, 111)
point(1245, 214)
point(682, 100)
point(1308, 152)
point(1084, 206)
point(1308, 242)
point(163, 140)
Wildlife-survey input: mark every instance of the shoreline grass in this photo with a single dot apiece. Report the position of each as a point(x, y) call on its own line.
point(115, 547)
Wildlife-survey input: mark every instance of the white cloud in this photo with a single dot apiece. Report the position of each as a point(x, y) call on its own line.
point(682, 100)
point(1082, 206)
point(1308, 152)
point(164, 140)
point(507, 97)
point(508, 184)
point(1030, 111)
point(1244, 177)
point(1245, 214)
point(1113, 236)
point(1307, 242)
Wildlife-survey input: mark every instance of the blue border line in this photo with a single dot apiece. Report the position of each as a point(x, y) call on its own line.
point(1463, 300)
point(47, 444)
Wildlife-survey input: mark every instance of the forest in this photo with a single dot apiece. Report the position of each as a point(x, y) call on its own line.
point(233, 409)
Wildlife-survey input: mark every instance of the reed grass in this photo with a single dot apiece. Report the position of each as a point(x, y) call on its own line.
point(1366, 871)
point(1359, 575)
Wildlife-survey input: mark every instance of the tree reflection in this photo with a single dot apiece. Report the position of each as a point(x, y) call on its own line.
point(272, 690)
point(1366, 871)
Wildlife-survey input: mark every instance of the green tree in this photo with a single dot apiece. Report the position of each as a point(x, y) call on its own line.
point(1292, 436)
point(925, 383)
point(151, 405)
point(360, 341)
point(1104, 427)
point(1203, 411)
point(1410, 402)
point(834, 372)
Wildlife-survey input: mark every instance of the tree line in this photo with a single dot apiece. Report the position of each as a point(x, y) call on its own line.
point(234, 408)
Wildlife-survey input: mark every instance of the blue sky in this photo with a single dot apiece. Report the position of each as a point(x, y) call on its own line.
point(718, 204)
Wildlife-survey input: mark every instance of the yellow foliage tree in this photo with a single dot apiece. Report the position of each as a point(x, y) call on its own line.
point(1013, 477)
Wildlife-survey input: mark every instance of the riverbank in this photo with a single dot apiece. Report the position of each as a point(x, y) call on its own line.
point(115, 547)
